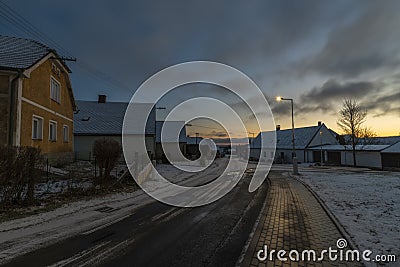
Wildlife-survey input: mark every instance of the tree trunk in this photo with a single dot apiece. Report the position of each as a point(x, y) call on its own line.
point(354, 156)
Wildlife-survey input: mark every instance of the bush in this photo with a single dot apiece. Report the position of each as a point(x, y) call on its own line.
point(107, 152)
point(18, 174)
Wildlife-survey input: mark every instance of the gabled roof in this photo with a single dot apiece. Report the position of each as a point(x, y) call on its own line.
point(95, 118)
point(176, 125)
point(395, 148)
point(303, 137)
point(18, 53)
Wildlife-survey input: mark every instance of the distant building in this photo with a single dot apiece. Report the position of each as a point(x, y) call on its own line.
point(376, 153)
point(170, 139)
point(318, 144)
point(391, 156)
point(192, 146)
point(366, 155)
point(305, 138)
point(99, 119)
point(37, 102)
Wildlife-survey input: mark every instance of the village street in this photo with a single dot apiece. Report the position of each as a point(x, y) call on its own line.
point(138, 231)
point(150, 234)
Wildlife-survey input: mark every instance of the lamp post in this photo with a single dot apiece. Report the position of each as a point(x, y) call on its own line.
point(155, 131)
point(294, 158)
point(320, 139)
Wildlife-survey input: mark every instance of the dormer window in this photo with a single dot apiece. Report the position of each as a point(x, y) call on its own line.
point(55, 90)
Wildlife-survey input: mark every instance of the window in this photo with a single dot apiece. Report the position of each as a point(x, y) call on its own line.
point(65, 133)
point(55, 90)
point(37, 128)
point(55, 70)
point(53, 131)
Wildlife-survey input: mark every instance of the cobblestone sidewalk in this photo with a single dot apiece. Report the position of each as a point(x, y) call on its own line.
point(293, 220)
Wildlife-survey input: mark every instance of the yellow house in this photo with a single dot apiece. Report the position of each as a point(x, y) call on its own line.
point(36, 99)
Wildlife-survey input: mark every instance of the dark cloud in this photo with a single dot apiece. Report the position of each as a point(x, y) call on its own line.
point(218, 134)
point(383, 105)
point(332, 90)
point(368, 43)
point(327, 97)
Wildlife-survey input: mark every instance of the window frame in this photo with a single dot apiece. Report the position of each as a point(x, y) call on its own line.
point(51, 122)
point(58, 94)
point(38, 136)
point(65, 137)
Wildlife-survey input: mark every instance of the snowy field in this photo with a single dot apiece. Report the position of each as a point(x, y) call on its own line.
point(366, 203)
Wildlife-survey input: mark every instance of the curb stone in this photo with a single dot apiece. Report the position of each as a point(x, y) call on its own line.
point(333, 218)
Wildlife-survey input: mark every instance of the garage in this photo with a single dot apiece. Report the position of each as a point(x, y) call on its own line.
point(391, 160)
point(334, 158)
point(391, 157)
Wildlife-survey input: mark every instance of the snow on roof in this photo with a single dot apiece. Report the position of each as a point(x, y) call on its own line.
point(20, 53)
point(174, 124)
point(395, 148)
point(303, 137)
point(95, 118)
point(385, 140)
point(349, 147)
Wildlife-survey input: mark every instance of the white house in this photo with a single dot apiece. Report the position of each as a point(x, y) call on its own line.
point(391, 156)
point(98, 119)
point(305, 137)
point(366, 155)
point(169, 137)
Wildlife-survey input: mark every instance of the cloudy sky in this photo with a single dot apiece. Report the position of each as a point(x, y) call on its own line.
point(316, 52)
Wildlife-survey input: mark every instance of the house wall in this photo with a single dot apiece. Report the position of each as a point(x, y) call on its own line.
point(160, 152)
point(4, 107)
point(371, 159)
point(83, 145)
point(391, 160)
point(255, 153)
point(287, 153)
point(36, 101)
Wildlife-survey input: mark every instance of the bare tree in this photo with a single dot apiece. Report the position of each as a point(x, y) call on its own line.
point(351, 118)
point(367, 136)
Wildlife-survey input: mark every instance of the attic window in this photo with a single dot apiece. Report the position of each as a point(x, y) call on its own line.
point(55, 90)
point(55, 69)
point(86, 118)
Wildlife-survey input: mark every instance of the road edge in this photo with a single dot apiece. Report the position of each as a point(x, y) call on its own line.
point(251, 242)
point(332, 216)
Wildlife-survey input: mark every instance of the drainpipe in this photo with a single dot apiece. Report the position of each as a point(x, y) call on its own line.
point(13, 99)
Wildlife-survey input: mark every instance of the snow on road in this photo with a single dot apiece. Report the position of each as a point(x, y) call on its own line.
point(365, 203)
point(22, 235)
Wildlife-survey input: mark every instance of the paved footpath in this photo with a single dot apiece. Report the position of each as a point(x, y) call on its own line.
point(293, 219)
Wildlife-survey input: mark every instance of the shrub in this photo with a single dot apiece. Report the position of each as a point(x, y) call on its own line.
point(107, 152)
point(18, 174)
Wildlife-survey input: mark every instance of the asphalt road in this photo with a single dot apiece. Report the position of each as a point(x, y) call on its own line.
point(162, 235)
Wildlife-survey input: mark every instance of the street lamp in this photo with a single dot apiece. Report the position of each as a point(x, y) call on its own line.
point(294, 158)
point(320, 139)
point(155, 130)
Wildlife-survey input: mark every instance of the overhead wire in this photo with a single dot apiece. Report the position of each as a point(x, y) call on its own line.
point(18, 22)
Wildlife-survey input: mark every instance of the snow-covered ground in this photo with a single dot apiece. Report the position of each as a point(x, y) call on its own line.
point(25, 234)
point(366, 203)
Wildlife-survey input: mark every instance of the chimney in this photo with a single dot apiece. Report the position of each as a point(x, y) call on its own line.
point(278, 127)
point(102, 99)
point(319, 123)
